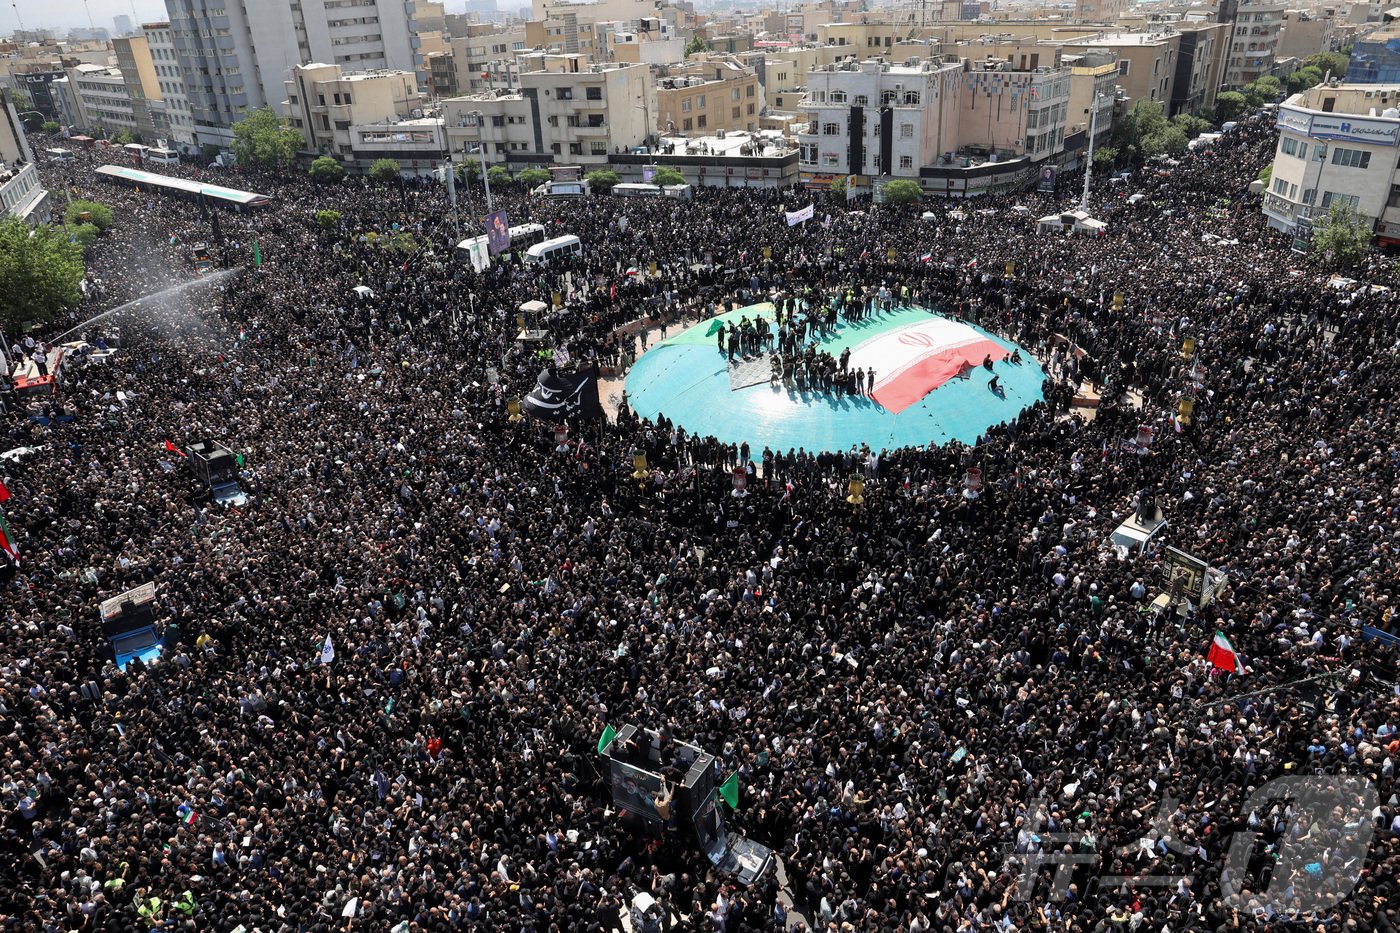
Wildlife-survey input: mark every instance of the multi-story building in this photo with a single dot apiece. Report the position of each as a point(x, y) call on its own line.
point(1014, 105)
point(1375, 58)
point(1099, 11)
point(142, 87)
point(123, 24)
point(103, 102)
point(648, 41)
point(171, 84)
point(486, 58)
point(1254, 42)
point(1307, 32)
point(1146, 60)
point(708, 94)
point(564, 110)
point(872, 118)
point(22, 193)
point(1092, 89)
point(1200, 59)
point(1337, 146)
point(235, 54)
point(35, 79)
point(325, 104)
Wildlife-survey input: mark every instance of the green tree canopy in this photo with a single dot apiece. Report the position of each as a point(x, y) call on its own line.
point(1335, 62)
point(1169, 140)
point(838, 188)
point(328, 220)
point(264, 138)
point(532, 177)
point(326, 169)
point(1228, 105)
point(1304, 78)
point(384, 171)
point(902, 191)
point(101, 214)
point(1192, 124)
point(1105, 157)
point(40, 269)
point(665, 175)
point(1341, 238)
point(51, 126)
point(696, 44)
point(498, 175)
point(602, 180)
point(468, 171)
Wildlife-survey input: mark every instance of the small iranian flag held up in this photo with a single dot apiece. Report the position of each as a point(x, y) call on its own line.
point(1223, 656)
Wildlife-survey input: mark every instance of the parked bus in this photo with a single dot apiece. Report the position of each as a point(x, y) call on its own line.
point(163, 156)
point(550, 250)
point(59, 155)
point(136, 151)
point(629, 190)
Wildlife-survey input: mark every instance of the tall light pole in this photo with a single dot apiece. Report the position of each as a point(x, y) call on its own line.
point(481, 151)
point(1089, 159)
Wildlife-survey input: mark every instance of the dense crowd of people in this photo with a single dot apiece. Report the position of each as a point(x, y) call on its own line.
point(933, 701)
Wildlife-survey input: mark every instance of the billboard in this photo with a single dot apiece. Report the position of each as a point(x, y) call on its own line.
point(497, 232)
point(1340, 126)
point(1047, 180)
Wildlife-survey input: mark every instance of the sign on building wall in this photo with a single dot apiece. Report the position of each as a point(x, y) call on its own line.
point(1341, 127)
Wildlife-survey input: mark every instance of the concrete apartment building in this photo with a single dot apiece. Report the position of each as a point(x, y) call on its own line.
point(1254, 43)
point(648, 41)
point(235, 54)
point(565, 110)
point(171, 84)
point(22, 193)
point(871, 118)
point(102, 101)
point(339, 114)
point(142, 87)
point(1307, 32)
point(1092, 88)
point(486, 58)
point(1337, 144)
point(1146, 61)
point(707, 94)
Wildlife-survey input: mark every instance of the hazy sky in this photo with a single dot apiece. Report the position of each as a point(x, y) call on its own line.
point(59, 15)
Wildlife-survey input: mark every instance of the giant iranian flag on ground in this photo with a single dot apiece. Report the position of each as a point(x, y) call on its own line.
point(913, 360)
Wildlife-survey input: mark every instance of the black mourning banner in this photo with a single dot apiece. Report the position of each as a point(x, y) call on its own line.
point(557, 396)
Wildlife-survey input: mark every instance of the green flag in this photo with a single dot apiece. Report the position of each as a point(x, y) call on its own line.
point(609, 733)
point(239, 458)
point(714, 326)
point(729, 790)
point(257, 256)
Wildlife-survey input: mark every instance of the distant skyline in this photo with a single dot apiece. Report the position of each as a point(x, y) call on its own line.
point(63, 15)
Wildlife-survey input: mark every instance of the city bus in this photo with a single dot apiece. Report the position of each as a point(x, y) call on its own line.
point(629, 190)
point(522, 236)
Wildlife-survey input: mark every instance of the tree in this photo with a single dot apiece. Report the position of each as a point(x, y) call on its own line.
point(1266, 174)
point(84, 234)
point(51, 127)
point(1304, 78)
point(1341, 238)
point(1191, 124)
point(902, 191)
point(101, 214)
point(695, 45)
point(498, 175)
point(384, 171)
point(40, 268)
point(326, 170)
point(1228, 105)
point(468, 172)
point(264, 138)
point(1334, 62)
point(532, 178)
point(838, 188)
point(1105, 157)
point(328, 220)
point(1169, 140)
point(665, 175)
point(123, 138)
point(602, 180)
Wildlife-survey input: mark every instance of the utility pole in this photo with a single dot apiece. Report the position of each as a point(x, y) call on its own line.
point(1089, 159)
point(481, 151)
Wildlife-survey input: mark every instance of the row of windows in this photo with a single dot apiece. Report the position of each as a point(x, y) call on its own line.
point(354, 21)
point(887, 98)
point(356, 40)
point(1347, 158)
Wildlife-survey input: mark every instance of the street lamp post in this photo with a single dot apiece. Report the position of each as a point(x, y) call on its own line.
point(481, 151)
point(1089, 159)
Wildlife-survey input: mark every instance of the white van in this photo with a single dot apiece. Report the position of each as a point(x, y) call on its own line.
point(546, 252)
point(59, 155)
point(163, 156)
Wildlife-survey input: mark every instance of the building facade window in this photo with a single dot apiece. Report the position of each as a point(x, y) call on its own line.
point(1351, 158)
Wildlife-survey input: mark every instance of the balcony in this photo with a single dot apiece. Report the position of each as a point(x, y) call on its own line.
point(22, 195)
